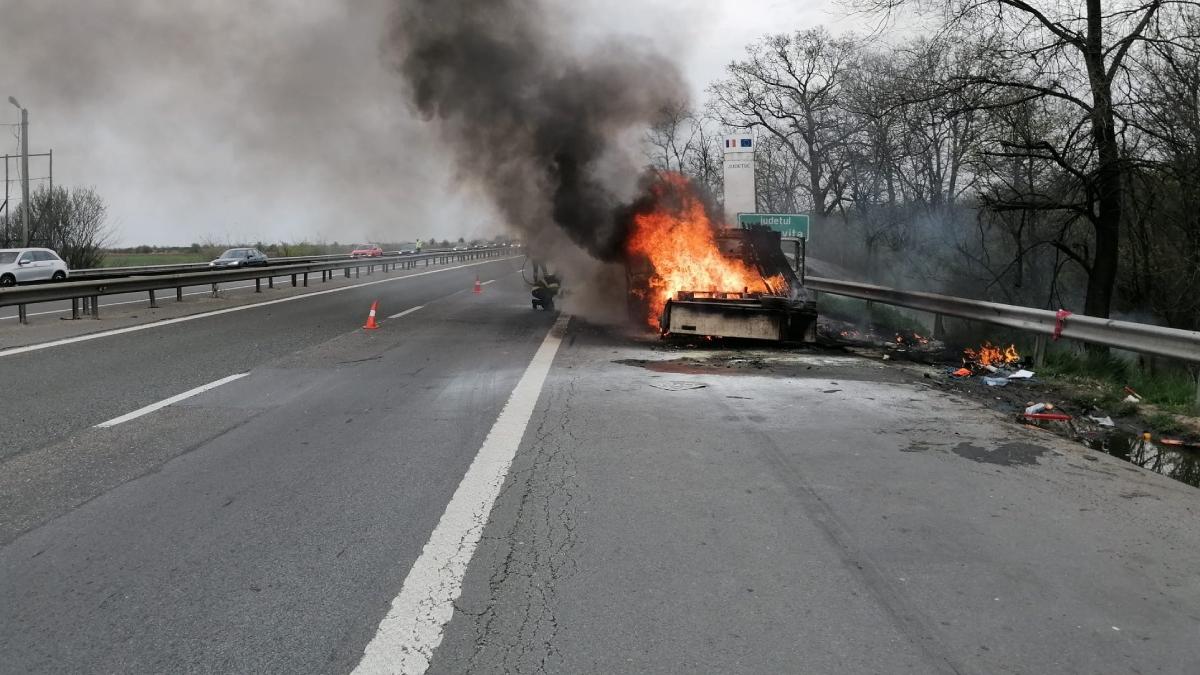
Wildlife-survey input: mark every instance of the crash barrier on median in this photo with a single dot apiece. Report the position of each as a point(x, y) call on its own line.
point(1135, 337)
point(140, 270)
point(87, 292)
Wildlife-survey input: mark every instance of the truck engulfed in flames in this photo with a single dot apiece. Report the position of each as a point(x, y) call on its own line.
point(687, 275)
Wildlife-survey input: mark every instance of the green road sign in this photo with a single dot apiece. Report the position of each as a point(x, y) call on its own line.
point(787, 224)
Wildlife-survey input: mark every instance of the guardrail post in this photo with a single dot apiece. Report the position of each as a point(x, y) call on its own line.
point(293, 281)
point(270, 282)
point(347, 272)
point(21, 317)
point(153, 301)
point(257, 285)
point(939, 328)
point(357, 271)
point(179, 294)
point(1039, 351)
point(95, 307)
point(74, 309)
point(306, 279)
point(215, 291)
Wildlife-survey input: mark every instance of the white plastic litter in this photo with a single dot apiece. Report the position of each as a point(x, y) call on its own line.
point(1105, 421)
point(1021, 374)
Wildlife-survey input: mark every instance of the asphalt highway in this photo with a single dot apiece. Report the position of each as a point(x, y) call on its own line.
point(480, 487)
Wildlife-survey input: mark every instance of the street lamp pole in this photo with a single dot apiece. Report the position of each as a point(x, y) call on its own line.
point(24, 171)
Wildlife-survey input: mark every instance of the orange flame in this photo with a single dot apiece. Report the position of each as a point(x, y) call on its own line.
point(989, 355)
point(678, 241)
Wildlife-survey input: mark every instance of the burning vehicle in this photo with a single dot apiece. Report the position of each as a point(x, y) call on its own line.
point(687, 276)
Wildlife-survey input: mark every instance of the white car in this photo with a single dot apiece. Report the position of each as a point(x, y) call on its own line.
point(22, 265)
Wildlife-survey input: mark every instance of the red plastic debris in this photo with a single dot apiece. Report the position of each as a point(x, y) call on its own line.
point(1060, 320)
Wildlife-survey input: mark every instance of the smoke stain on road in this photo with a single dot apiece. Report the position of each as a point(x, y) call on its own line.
point(1009, 454)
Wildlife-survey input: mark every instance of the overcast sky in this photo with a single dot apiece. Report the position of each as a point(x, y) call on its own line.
point(245, 120)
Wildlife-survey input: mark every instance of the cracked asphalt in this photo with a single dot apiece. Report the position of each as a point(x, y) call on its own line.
point(808, 512)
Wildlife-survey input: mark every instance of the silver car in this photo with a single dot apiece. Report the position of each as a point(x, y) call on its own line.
point(23, 265)
point(240, 257)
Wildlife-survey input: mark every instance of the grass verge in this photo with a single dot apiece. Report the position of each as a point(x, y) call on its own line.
point(1172, 389)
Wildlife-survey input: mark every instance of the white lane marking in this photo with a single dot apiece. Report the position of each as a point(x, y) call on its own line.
point(12, 351)
point(410, 310)
point(168, 401)
point(413, 627)
point(489, 281)
point(123, 302)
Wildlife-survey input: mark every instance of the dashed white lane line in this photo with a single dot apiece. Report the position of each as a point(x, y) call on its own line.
point(410, 310)
point(12, 351)
point(168, 401)
point(489, 281)
point(414, 626)
point(123, 302)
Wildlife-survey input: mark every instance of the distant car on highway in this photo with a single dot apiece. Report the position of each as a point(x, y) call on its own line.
point(366, 251)
point(240, 257)
point(409, 251)
point(22, 265)
point(459, 248)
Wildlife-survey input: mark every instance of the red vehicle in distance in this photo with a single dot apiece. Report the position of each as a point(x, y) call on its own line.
point(366, 251)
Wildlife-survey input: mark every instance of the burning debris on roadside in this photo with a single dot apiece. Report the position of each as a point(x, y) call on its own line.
point(991, 357)
point(891, 342)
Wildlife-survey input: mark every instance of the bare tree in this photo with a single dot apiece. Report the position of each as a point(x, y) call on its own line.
point(671, 139)
point(683, 141)
point(72, 222)
point(789, 88)
point(1163, 246)
point(1049, 50)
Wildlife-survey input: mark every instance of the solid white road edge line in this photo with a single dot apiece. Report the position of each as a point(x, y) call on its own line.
point(168, 401)
point(12, 351)
point(410, 310)
point(413, 627)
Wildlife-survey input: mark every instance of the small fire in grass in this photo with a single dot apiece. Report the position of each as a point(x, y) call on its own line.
point(989, 354)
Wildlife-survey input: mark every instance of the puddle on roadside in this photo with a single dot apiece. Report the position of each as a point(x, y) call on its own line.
point(1180, 464)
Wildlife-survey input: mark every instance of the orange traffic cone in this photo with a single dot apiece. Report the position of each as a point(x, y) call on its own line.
point(478, 286)
point(371, 325)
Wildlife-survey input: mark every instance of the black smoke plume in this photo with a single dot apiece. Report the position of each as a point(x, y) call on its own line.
point(544, 129)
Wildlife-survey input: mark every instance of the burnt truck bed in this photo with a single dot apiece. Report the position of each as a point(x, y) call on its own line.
point(763, 318)
point(784, 313)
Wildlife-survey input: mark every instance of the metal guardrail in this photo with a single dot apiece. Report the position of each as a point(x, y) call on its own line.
point(1137, 337)
point(89, 291)
point(116, 272)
